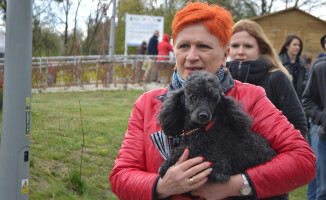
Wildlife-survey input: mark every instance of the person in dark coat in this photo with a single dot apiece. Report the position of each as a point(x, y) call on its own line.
point(290, 58)
point(314, 98)
point(323, 44)
point(142, 48)
point(151, 71)
point(314, 103)
point(308, 58)
point(255, 61)
point(141, 51)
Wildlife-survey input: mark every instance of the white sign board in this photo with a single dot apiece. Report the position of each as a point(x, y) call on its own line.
point(141, 28)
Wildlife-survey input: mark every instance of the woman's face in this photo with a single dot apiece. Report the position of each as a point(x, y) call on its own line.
point(294, 47)
point(243, 47)
point(196, 49)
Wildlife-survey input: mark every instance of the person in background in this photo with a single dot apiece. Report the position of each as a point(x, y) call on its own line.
point(150, 73)
point(255, 61)
point(290, 58)
point(323, 44)
point(201, 35)
point(164, 67)
point(142, 48)
point(308, 58)
point(141, 51)
point(313, 100)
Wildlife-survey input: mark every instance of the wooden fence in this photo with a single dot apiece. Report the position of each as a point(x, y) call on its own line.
point(85, 70)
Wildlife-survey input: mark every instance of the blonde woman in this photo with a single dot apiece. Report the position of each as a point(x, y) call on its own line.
point(254, 60)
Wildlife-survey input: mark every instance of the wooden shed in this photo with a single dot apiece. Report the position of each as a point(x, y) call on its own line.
point(279, 24)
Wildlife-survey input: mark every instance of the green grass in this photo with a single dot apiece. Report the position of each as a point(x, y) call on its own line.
point(56, 142)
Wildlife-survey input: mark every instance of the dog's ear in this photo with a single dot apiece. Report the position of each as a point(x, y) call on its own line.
point(172, 114)
point(235, 116)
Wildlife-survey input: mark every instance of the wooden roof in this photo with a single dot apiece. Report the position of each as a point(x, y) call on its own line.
point(287, 10)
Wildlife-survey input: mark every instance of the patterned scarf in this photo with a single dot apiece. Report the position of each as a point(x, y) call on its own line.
point(178, 82)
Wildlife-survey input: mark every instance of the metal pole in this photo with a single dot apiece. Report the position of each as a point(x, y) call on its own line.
point(112, 31)
point(111, 44)
point(15, 138)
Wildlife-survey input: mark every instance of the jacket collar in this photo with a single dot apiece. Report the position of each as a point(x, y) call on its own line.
point(251, 71)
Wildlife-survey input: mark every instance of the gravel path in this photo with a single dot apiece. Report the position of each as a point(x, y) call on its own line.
point(92, 87)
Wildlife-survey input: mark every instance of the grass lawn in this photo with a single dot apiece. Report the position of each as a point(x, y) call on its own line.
point(57, 139)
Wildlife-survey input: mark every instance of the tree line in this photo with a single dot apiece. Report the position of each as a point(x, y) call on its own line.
point(71, 39)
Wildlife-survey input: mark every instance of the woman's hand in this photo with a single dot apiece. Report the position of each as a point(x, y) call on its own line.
point(218, 191)
point(184, 176)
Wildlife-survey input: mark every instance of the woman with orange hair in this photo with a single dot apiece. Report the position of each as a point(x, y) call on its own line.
point(201, 34)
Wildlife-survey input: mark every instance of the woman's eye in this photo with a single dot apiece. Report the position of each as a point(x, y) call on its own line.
point(203, 46)
point(183, 46)
point(234, 45)
point(248, 46)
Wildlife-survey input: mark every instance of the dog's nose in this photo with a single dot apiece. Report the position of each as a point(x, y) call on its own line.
point(203, 116)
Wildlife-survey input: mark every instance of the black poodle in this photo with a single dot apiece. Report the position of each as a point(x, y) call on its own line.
point(212, 126)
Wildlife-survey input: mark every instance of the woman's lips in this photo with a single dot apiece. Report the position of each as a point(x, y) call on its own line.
point(191, 70)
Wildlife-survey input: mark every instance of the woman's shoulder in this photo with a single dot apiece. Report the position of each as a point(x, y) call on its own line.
point(278, 76)
point(282, 57)
point(151, 95)
point(302, 62)
point(245, 90)
point(248, 95)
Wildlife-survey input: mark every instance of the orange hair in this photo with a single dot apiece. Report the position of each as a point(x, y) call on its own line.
point(217, 20)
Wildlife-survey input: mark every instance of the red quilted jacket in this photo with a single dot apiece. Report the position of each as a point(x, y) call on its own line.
point(135, 169)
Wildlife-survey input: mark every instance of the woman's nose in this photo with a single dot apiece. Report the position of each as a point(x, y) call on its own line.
point(240, 50)
point(192, 54)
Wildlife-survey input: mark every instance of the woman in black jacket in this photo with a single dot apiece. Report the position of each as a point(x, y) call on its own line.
point(253, 60)
point(290, 58)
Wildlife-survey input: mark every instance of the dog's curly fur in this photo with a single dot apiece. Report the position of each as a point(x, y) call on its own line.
point(228, 144)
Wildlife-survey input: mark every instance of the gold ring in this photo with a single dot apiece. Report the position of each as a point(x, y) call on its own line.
point(191, 181)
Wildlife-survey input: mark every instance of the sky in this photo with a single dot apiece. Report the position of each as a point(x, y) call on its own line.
point(319, 12)
point(91, 4)
point(278, 5)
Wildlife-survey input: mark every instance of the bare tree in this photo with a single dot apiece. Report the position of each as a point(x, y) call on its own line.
point(75, 28)
point(66, 4)
point(93, 27)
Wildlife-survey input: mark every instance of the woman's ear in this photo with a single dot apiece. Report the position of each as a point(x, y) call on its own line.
point(225, 55)
point(171, 116)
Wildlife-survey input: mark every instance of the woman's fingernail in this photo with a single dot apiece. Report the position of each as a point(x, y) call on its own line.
point(210, 163)
point(210, 170)
point(187, 148)
point(202, 158)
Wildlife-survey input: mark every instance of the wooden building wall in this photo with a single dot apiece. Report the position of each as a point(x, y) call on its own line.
point(309, 28)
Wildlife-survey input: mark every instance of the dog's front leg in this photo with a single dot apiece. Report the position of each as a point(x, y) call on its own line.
point(218, 177)
point(174, 157)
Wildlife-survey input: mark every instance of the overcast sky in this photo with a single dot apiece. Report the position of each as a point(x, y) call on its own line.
point(91, 4)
